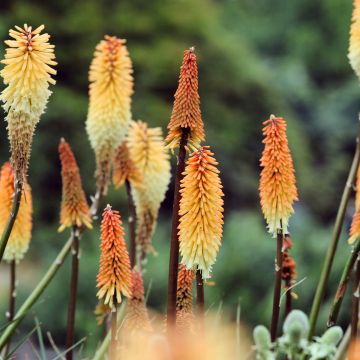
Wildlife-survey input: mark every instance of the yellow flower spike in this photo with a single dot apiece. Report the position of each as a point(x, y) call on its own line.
point(186, 112)
point(74, 207)
point(109, 114)
point(277, 179)
point(125, 168)
point(354, 44)
point(147, 151)
point(27, 74)
point(20, 237)
point(201, 212)
point(114, 277)
point(136, 316)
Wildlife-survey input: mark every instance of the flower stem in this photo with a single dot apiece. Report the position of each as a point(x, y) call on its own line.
point(331, 250)
point(174, 246)
point(113, 342)
point(288, 300)
point(73, 293)
point(277, 285)
point(12, 300)
point(340, 292)
point(200, 299)
point(132, 224)
point(12, 217)
point(355, 301)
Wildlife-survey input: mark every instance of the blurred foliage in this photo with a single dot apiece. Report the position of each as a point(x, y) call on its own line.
point(255, 58)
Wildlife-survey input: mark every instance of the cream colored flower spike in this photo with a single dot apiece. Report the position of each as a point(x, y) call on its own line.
point(109, 115)
point(27, 73)
point(147, 151)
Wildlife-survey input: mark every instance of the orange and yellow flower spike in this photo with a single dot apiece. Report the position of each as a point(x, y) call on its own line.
point(354, 44)
point(277, 179)
point(355, 223)
point(186, 111)
point(114, 277)
point(201, 212)
point(74, 207)
point(147, 151)
point(136, 316)
point(125, 168)
point(20, 237)
point(184, 309)
point(27, 74)
point(110, 90)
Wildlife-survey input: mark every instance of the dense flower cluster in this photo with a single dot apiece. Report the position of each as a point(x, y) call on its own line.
point(74, 207)
point(277, 180)
point(201, 211)
point(186, 112)
point(355, 224)
point(27, 73)
point(354, 45)
point(147, 151)
point(114, 277)
point(20, 236)
point(111, 87)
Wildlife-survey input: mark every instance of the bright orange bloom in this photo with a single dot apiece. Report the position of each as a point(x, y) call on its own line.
point(354, 45)
point(74, 207)
point(186, 111)
point(184, 312)
point(109, 115)
point(114, 277)
point(355, 224)
point(277, 179)
point(136, 316)
point(27, 74)
point(125, 168)
point(201, 211)
point(20, 235)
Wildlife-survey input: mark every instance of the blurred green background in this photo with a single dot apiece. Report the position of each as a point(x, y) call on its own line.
point(255, 57)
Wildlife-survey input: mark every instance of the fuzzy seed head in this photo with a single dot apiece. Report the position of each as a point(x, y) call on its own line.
point(201, 212)
point(29, 59)
point(110, 90)
point(277, 179)
point(147, 151)
point(125, 168)
point(354, 44)
point(20, 236)
point(74, 207)
point(114, 277)
point(186, 111)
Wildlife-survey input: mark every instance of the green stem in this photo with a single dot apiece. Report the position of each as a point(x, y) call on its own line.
point(331, 250)
point(355, 302)
point(277, 286)
point(340, 292)
point(36, 293)
point(12, 217)
point(113, 341)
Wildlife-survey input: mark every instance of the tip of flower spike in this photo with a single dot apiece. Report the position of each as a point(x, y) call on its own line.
point(62, 141)
point(192, 49)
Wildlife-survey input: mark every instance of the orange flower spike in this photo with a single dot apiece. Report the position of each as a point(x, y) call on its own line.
point(184, 289)
point(136, 316)
point(125, 168)
point(114, 277)
point(74, 207)
point(201, 212)
point(277, 179)
point(20, 236)
point(186, 112)
point(354, 44)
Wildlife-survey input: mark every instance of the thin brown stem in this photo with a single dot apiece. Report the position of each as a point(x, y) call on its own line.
point(132, 223)
point(355, 301)
point(113, 342)
point(73, 293)
point(174, 246)
point(341, 290)
point(12, 301)
point(331, 249)
point(200, 299)
point(12, 216)
point(277, 285)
